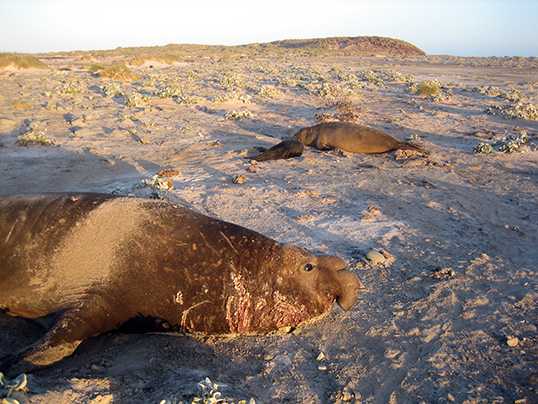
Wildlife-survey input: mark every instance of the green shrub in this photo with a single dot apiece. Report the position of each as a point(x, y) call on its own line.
point(268, 91)
point(71, 88)
point(523, 111)
point(112, 90)
point(483, 148)
point(136, 100)
point(34, 138)
point(169, 92)
point(239, 114)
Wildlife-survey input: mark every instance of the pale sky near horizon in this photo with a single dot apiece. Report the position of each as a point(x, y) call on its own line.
point(438, 27)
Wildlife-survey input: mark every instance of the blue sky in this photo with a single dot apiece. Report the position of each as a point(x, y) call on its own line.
point(454, 27)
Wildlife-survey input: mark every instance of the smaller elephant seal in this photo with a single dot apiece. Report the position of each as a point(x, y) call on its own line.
point(352, 138)
point(284, 150)
point(85, 264)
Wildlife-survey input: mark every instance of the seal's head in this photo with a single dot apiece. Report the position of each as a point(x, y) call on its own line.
point(306, 136)
point(321, 277)
point(302, 286)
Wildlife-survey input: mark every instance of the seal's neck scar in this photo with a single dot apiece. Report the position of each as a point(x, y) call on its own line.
point(186, 313)
point(11, 231)
point(229, 242)
point(208, 243)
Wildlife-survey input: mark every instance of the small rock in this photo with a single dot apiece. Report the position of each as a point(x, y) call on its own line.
point(251, 169)
point(119, 132)
point(321, 356)
point(145, 140)
point(77, 121)
point(346, 395)
point(82, 132)
point(239, 179)
point(375, 257)
point(322, 367)
point(7, 122)
point(512, 341)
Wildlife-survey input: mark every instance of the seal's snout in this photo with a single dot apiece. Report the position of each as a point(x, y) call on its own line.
point(343, 283)
point(349, 284)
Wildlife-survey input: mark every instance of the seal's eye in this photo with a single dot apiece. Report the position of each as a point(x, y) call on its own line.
point(308, 267)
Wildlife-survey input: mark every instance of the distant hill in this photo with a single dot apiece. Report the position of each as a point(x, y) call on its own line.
point(334, 46)
point(359, 45)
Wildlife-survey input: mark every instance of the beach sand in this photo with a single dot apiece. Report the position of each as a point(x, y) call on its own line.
point(451, 316)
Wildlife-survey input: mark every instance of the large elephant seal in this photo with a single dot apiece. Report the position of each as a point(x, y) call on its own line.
point(84, 264)
point(351, 137)
point(284, 150)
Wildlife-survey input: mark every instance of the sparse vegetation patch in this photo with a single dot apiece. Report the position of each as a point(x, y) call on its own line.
point(169, 92)
point(232, 96)
point(112, 90)
point(136, 100)
point(520, 110)
point(34, 138)
point(116, 71)
point(239, 114)
point(20, 104)
point(71, 87)
point(21, 61)
point(268, 91)
point(509, 144)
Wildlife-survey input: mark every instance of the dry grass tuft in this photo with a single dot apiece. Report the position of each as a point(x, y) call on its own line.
point(428, 87)
point(20, 105)
point(116, 71)
point(21, 61)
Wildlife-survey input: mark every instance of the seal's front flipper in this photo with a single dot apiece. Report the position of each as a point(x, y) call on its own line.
point(68, 329)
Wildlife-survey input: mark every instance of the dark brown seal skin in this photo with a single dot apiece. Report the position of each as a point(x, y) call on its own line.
point(84, 264)
point(284, 150)
point(351, 137)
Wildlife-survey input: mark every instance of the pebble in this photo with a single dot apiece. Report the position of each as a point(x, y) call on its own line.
point(239, 179)
point(77, 121)
point(119, 132)
point(82, 132)
point(346, 396)
point(375, 257)
point(512, 341)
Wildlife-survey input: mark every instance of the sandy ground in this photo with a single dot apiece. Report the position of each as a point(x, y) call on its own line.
point(452, 317)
